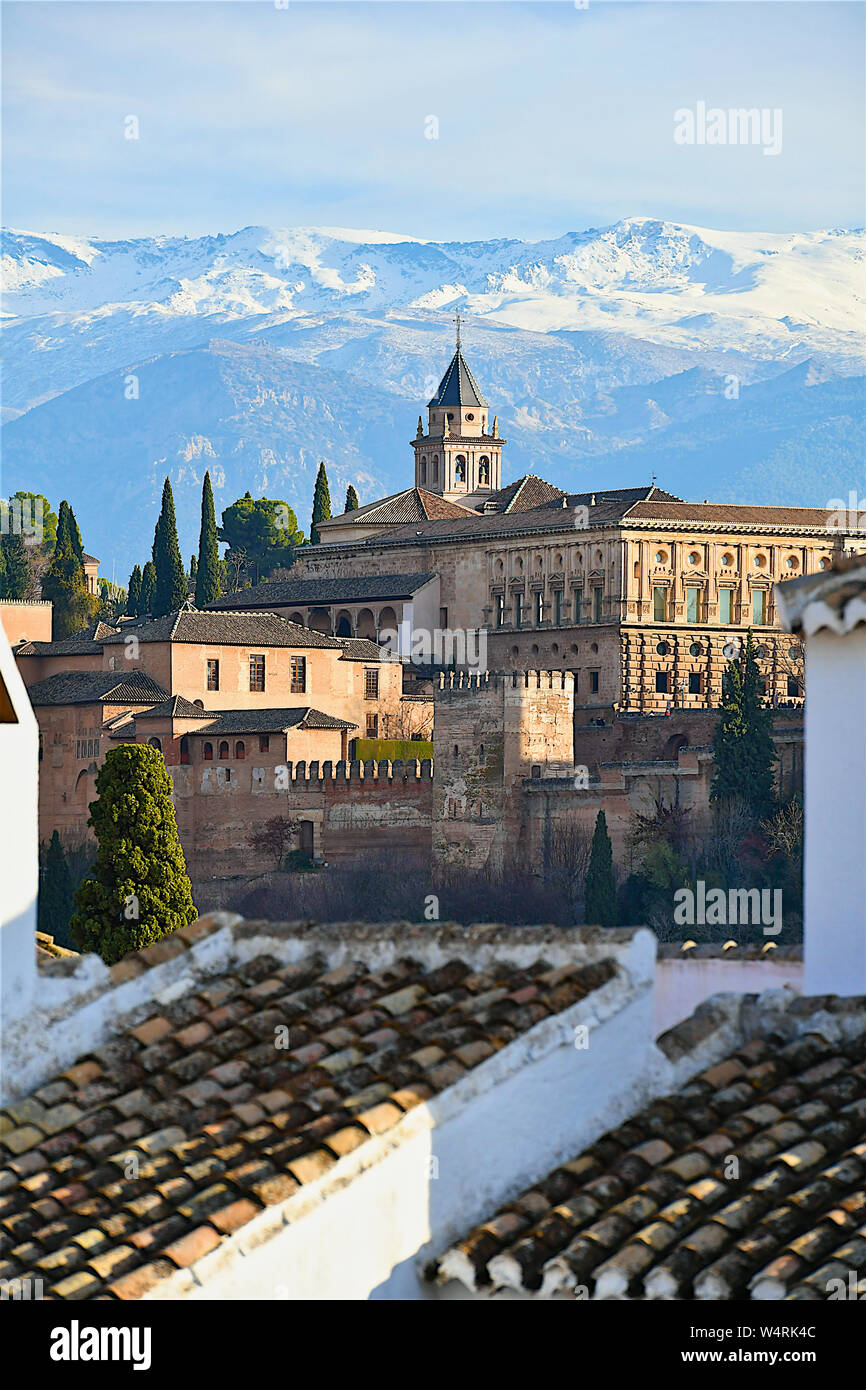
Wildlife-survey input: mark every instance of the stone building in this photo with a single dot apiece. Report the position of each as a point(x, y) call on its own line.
point(641, 596)
point(227, 697)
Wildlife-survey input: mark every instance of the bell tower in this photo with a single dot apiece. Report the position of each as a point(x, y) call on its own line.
point(460, 456)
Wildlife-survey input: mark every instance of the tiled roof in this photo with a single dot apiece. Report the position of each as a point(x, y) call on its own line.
point(750, 1181)
point(176, 707)
point(222, 628)
point(524, 494)
point(458, 386)
point(262, 721)
point(834, 598)
point(221, 1122)
point(730, 516)
point(360, 649)
point(413, 504)
point(89, 559)
point(93, 687)
point(328, 591)
point(82, 643)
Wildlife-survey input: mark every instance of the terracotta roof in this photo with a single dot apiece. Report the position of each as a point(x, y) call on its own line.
point(257, 629)
point(82, 643)
point(413, 504)
point(524, 494)
point(655, 1209)
point(95, 687)
point(176, 707)
point(360, 649)
point(89, 559)
point(458, 386)
point(221, 1122)
point(732, 516)
point(834, 598)
point(325, 590)
point(255, 721)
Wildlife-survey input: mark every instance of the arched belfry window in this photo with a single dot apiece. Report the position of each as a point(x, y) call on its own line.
point(460, 468)
point(422, 472)
point(484, 470)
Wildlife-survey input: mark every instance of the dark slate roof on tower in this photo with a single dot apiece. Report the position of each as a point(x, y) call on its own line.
point(458, 386)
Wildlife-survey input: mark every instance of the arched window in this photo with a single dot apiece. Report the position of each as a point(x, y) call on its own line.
point(484, 470)
point(208, 753)
point(460, 468)
point(154, 743)
point(434, 471)
point(199, 704)
point(422, 472)
point(240, 750)
point(184, 749)
point(224, 749)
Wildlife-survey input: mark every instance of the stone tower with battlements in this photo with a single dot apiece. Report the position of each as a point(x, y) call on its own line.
point(492, 731)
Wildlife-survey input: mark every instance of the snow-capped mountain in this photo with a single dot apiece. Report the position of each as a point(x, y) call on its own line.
point(718, 359)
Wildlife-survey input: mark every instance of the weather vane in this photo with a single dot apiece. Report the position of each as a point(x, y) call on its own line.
point(457, 321)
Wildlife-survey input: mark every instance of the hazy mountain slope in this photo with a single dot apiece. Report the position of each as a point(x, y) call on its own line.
point(723, 362)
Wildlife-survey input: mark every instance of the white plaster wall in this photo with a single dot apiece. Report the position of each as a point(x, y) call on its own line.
point(19, 847)
point(680, 985)
point(835, 789)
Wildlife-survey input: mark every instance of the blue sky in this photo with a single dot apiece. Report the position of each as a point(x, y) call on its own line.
point(550, 118)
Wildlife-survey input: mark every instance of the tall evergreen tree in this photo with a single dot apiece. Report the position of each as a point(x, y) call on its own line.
point(207, 579)
point(138, 890)
point(17, 570)
point(64, 583)
point(3, 593)
point(352, 503)
point(133, 594)
point(193, 570)
point(67, 528)
point(600, 891)
point(321, 504)
point(743, 750)
point(55, 893)
point(171, 590)
point(148, 588)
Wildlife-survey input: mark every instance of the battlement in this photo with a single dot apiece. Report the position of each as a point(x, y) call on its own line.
point(400, 770)
point(461, 681)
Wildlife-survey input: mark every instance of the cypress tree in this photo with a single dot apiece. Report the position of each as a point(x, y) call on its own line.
point(600, 890)
point(352, 503)
point(171, 590)
point(148, 587)
point(207, 580)
point(55, 893)
point(138, 890)
point(743, 750)
point(17, 570)
point(133, 593)
point(321, 504)
point(193, 569)
point(3, 593)
point(64, 585)
point(67, 528)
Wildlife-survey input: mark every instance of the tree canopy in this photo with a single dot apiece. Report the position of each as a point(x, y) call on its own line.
point(262, 533)
point(138, 890)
